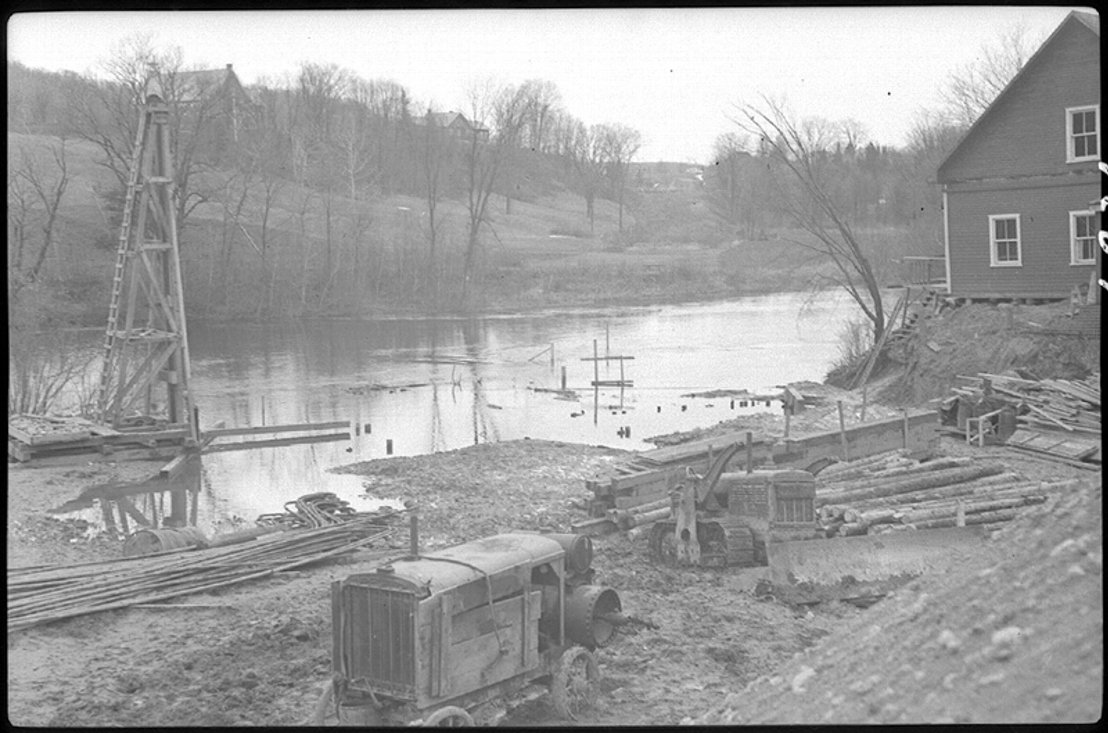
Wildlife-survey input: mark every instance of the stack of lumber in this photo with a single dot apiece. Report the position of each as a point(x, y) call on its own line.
point(42, 594)
point(1067, 404)
point(892, 493)
point(42, 436)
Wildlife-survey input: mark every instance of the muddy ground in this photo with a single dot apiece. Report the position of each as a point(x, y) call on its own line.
point(259, 653)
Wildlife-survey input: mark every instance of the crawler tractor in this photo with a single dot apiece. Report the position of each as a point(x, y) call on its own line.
point(768, 518)
point(467, 633)
point(730, 519)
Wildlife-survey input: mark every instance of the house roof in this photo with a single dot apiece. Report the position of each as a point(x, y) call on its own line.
point(194, 84)
point(447, 119)
point(1087, 20)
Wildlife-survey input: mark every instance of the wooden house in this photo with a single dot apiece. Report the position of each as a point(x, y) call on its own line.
point(455, 123)
point(219, 92)
point(1020, 191)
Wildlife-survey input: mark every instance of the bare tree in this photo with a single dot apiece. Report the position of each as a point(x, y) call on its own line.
point(620, 144)
point(35, 193)
point(800, 152)
point(106, 113)
point(502, 107)
point(436, 163)
point(726, 180)
point(587, 152)
point(972, 88)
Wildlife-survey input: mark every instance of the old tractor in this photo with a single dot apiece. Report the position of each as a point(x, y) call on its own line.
point(731, 519)
point(468, 633)
point(768, 518)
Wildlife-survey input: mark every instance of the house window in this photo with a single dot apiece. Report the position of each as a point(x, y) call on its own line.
point(1082, 238)
point(1082, 133)
point(1004, 240)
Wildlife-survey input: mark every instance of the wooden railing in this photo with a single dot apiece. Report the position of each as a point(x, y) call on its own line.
point(917, 270)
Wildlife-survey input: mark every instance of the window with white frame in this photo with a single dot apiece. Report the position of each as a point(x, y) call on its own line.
point(1082, 238)
point(1082, 133)
point(1004, 240)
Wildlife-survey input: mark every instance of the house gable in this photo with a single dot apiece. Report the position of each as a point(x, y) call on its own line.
point(1024, 131)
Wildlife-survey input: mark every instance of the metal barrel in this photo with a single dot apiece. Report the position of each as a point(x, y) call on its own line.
point(578, 551)
point(149, 541)
point(588, 612)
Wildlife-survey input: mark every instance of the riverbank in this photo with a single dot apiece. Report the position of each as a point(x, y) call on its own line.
point(940, 649)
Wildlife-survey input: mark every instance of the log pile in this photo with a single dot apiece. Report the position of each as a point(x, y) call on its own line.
point(889, 493)
point(42, 594)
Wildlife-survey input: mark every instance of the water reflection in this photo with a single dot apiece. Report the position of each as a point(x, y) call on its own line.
point(430, 385)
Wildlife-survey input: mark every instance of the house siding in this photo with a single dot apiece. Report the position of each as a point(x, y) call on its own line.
point(1024, 133)
point(1045, 271)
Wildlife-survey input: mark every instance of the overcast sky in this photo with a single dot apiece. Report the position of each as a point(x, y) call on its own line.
point(675, 75)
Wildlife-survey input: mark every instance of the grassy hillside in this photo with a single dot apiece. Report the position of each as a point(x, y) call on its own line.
point(333, 255)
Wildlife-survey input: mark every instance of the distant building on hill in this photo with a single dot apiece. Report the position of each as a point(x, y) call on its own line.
point(1021, 189)
point(219, 91)
point(455, 123)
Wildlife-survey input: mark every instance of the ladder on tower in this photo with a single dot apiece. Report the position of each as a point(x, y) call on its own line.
point(123, 254)
point(139, 358)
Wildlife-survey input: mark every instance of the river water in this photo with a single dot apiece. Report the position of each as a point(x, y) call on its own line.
point(428, 385)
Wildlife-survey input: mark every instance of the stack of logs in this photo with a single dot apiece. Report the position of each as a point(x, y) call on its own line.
point(640, 517)
point(890, 492)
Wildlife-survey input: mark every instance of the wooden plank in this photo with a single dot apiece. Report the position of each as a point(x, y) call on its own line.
point(446, 642)
point(478, 621)
point(170, 470)
point(493, 657)
point(626, 502)
point(476, 592)
point(264, 429)
point(643, 477)
point(125, 505)
point(276, 442)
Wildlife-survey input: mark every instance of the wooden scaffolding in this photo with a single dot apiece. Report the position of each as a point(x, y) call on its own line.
point(148, 349)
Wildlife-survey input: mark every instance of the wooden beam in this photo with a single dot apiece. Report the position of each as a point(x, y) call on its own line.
point(276, 442)
point(264, 429)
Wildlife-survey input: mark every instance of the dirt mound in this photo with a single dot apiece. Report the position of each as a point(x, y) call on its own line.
point(1014, 635)
point(991, 339)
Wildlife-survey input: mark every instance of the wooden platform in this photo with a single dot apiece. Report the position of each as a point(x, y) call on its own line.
point(32, 437)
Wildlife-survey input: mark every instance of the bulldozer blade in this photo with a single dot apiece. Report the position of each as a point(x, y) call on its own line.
point(845, 560)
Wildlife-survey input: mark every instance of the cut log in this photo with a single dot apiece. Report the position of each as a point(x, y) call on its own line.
point(1004, 515)
point(836, 470)
point(985, 485)
point(922, 515)
point(884, 478)
point(930, 480)
point(636, 520)
point(880, 516)
point(852, 529)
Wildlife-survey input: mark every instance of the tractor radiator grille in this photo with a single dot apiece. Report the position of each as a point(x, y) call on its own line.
point(379, 639)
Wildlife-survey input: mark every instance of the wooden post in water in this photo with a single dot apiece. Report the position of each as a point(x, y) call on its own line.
point(749, 452)
point(595, 363)
point(842, 432)
point(551, 356)
point(563, 378)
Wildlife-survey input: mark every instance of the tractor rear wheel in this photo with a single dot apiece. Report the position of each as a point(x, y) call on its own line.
point(576, 684)
point(449, 717)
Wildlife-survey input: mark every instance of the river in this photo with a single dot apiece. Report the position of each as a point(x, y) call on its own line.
point(420, 386)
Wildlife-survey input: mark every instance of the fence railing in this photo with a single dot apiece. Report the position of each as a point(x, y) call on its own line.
point(917, 270)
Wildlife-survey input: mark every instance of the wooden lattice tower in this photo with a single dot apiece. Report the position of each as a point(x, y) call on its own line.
point(149, 349)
